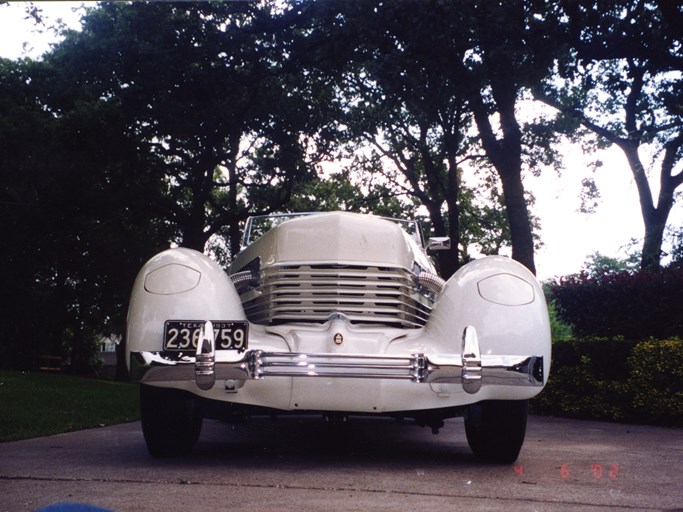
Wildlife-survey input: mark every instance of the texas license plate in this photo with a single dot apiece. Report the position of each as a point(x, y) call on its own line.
point(183, 335)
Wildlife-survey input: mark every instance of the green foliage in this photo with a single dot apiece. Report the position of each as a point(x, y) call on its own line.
point(343, 191)
point(37, 404)
point(616, 380)
point(76, 223)
point(123, 139)
point(559, 330)
point(597, 265)
point(402, 109)
point(574, 392)
point(656, 379)
point(215, 110)
point(634, 305)
point(409, 77)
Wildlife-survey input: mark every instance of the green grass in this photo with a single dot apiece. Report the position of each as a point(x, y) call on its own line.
point(39, 404)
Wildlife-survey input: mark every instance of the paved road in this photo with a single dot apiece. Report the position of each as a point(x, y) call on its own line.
point(300, 464)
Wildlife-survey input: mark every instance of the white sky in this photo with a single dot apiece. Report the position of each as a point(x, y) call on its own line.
point(16, 32)
point(568, 236)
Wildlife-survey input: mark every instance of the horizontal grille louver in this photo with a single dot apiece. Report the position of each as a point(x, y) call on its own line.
point(312, 293)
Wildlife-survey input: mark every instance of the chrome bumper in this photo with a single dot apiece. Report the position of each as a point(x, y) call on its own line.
point(470, 368)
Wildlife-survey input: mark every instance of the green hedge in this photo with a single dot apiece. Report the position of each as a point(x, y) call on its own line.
point(636, 305)
point(656, 380)
point(616, 380)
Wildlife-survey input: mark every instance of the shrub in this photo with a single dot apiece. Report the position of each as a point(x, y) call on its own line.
point(632, 305)
point(616, 380)
point(559, 330)
point(656, 379)
point(588, 379)
point(576, 393)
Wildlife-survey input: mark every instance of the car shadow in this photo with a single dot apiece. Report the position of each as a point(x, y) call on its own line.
point(311, 440)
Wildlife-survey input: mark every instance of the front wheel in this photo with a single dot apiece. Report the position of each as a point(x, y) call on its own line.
point(495, 429)
point(171, 421)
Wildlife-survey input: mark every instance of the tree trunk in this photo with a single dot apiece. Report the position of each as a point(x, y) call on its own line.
point(450, 261)
point(654, 217)
point(505, 155)
point(650, 258)
point(521, 236)
point(655, 220)
point(194, 237)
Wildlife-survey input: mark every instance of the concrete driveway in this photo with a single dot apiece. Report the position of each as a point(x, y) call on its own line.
point(302, 464)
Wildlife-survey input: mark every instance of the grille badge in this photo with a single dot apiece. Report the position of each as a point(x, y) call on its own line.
point(338, 338)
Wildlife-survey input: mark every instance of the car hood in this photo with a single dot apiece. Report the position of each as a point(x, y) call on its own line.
point(338, 238)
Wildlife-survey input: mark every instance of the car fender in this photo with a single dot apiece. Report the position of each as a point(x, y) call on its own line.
point(180, 284)
point(503, 301)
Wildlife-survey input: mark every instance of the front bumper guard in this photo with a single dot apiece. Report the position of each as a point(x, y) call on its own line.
point(470, 368)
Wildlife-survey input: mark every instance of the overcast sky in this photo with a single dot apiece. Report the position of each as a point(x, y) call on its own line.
point(568, 236)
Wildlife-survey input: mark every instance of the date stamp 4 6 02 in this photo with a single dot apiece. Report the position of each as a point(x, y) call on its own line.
point(596, 470)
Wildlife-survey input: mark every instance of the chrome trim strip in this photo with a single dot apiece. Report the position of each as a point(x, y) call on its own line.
point(509, 370)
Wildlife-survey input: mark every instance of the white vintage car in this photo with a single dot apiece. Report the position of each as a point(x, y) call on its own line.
point(340, 314)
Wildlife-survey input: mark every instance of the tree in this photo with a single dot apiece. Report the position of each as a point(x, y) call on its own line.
point(207, 98)
point(405, 95)
point(597, 265)
point(401, 103)
point(347, 191)
point(413, 77)
point(513, 50)
point(623, 83)
point(123, 139)
point(74, 238)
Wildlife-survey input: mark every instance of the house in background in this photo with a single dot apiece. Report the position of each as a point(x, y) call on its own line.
point(107, 354)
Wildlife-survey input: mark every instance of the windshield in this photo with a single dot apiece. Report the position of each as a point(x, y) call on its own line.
point(258, 225)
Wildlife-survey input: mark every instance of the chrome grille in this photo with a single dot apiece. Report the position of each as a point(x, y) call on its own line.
point(313, 293)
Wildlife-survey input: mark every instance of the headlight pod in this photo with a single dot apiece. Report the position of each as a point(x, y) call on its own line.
point(506, 290)
point(172, 279)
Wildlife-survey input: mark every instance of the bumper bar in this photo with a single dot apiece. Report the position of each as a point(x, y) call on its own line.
point(471, 369)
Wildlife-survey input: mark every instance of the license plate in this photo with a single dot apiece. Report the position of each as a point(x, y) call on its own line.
point(183, 335)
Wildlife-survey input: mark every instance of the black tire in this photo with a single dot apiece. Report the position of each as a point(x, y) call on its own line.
point(171, 421)
point(496, 428)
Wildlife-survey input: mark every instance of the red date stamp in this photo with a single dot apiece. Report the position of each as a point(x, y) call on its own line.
point(597, 471)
